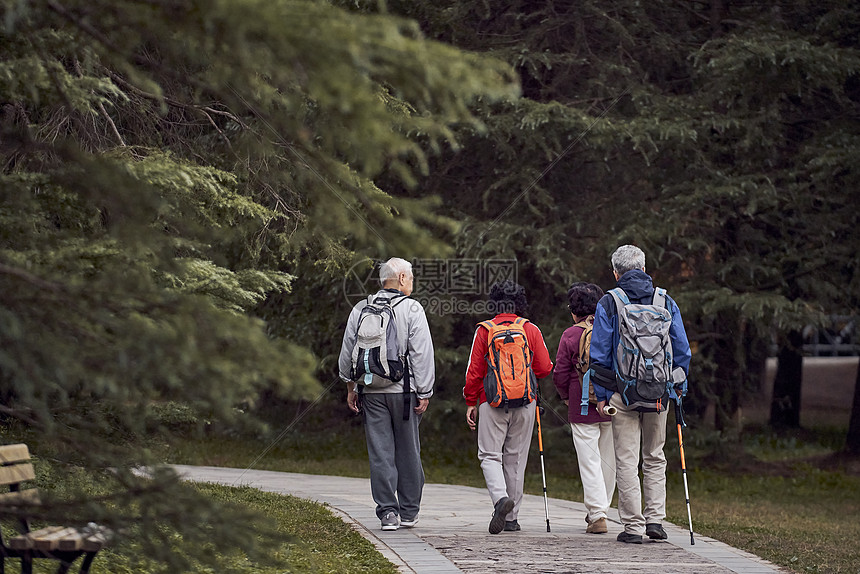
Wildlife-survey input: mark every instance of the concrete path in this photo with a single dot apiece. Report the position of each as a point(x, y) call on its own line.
point(452, 537)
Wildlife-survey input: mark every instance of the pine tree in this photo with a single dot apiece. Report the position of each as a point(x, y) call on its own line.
point(167, 167)
point(719, 136)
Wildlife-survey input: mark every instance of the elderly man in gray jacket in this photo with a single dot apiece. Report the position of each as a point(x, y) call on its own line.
point(392, 411)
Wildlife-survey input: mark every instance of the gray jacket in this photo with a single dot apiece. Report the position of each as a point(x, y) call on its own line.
point(413, 333)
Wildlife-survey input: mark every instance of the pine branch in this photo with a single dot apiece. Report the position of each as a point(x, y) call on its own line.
point(32, 279)
point(21, 416)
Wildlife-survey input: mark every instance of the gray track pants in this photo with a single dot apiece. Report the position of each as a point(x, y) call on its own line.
point(394, 450)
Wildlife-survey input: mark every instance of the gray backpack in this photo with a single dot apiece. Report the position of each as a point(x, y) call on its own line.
point(643, 357)
point(375, 351)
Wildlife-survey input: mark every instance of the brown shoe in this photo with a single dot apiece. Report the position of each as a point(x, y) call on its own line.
point(597, 527)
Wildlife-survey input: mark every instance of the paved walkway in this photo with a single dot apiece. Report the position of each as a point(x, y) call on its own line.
point(452, 537)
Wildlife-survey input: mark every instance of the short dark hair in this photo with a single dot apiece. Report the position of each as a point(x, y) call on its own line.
point(582, 298)
point(509, 297)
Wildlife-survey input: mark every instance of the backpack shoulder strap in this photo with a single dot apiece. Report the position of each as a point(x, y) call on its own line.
point(585, 325)
point(584, 378)
point(660, 298)
point(490, 326)
point(521, 321)
point(400, 299)
point(621, 298)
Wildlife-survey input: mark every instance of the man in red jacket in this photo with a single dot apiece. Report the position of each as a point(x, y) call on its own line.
point(504, 433)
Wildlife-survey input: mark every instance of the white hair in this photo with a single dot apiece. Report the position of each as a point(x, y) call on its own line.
point(627, 258)
point(392, 268)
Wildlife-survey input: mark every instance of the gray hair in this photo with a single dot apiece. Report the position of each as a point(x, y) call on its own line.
point(392, 268)
point(627, 258)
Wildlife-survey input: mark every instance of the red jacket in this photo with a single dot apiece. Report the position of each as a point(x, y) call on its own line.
point(473, 392)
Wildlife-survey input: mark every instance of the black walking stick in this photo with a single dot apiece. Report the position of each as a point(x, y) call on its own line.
point(679, 419)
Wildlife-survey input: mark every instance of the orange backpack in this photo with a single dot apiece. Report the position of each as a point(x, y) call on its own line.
point(510, 380)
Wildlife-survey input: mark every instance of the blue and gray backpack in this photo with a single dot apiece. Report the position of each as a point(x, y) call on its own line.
point(643, 357)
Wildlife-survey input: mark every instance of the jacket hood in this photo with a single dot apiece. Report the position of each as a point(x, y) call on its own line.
point(638, 286)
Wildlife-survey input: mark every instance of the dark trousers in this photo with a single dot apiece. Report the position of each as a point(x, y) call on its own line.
point(394, 449)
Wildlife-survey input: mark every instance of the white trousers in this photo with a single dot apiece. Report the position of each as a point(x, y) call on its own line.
point(503, 449)
point(630, 429)
point(595, 453)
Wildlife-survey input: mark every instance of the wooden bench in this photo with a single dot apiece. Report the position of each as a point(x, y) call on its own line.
point(61, 543)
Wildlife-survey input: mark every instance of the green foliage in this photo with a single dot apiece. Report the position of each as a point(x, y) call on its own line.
point(171, 172)
point(717, 138)
point(185, 186)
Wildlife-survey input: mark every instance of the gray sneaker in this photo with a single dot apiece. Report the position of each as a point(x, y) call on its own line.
point(390, 521)
point(409, 523)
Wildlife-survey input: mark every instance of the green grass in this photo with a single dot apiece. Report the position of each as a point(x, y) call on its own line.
point(806, 520)
point(794, 513)
point(315, 540)
point(308, 538)
point(294, 535)
point(776, 496)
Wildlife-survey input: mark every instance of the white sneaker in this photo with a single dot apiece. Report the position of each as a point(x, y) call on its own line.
point(390, 521)
point(409, 523)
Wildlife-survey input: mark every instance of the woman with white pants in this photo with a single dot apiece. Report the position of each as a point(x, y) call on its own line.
point(592, 432)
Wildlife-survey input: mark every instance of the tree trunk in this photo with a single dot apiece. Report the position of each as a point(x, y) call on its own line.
point(852, 443)
point(718, 13)
point(785, 404)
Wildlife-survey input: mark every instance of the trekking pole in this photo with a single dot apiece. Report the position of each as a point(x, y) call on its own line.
point(542, 471)
point(679, 419)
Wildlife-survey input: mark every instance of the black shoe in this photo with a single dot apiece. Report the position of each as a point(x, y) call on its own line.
point(655, 532)
point(502, 508)
point(629, 538)
point(512, 526)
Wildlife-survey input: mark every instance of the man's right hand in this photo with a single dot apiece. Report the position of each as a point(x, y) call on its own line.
point(352, 400)
point(472, 417)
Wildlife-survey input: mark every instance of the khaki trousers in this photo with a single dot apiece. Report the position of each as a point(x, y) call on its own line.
point(632, 430)
point(503, 449)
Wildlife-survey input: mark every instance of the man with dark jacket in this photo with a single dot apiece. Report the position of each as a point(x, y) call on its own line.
point(630, 425)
